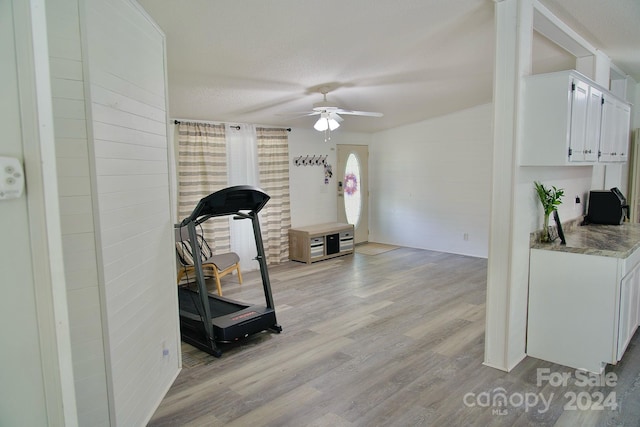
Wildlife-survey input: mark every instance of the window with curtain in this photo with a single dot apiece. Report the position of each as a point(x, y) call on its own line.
point(212, 157)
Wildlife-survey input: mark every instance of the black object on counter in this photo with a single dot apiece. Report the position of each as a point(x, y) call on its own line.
point(556, 218)
point(607, 207)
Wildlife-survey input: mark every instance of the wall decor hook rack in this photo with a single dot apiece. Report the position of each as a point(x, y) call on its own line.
point(310, 160)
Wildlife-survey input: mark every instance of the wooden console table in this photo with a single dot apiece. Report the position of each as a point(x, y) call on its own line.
point(318, 242)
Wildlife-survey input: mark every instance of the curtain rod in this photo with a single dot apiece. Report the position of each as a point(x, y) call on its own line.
point(236, 127)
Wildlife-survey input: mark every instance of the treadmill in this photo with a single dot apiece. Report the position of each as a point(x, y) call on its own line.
point(205, 318)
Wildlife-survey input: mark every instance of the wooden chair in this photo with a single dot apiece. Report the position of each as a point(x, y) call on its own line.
point(220, 265)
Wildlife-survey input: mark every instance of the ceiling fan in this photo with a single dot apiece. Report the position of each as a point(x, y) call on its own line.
point(330, 113)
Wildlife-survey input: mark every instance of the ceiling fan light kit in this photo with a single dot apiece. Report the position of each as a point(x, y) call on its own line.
point(326, 122)
point(329, 118)
point(321, 125)
point(333, 124)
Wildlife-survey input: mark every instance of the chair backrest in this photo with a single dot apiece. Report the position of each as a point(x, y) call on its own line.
point(184, 250)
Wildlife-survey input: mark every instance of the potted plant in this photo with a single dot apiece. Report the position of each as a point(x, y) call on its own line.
point(550, 199)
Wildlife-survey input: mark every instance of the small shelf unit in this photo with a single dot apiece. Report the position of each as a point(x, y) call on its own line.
point(319, 242)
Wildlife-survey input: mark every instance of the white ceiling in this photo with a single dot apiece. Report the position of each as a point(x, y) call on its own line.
point(255, 61)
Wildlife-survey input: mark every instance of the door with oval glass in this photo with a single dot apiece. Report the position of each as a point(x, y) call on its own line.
point(353, 190)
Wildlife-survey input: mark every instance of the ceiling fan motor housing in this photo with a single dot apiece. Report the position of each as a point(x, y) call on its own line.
point(324, 106)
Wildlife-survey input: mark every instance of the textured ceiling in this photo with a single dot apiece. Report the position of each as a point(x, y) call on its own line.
point(258, 61)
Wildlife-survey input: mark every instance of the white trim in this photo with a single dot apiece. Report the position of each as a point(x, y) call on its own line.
point(162, 395)
point(619, 71)
point(44, 214)
point(172, 159)
point(143, 12)
point(501, 230)
point(547, 24)
point(86, 73)
point(504, 338)
point(510, 366)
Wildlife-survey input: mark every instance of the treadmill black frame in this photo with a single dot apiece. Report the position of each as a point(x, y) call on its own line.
point(243, 202)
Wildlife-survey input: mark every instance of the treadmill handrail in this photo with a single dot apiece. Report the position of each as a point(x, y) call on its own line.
point(228, 201)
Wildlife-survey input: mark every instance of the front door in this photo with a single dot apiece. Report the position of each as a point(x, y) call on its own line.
point(353, 190)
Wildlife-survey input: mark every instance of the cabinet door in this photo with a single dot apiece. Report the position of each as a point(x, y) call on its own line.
point(579, 110)
point(573, 308)
point(623, 116)
point(614, 131)
point(634, 304)
point(594, 117)
point(608, 130)
point(628, 320)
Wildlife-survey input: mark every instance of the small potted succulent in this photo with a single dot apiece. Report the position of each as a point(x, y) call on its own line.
point(550, 199)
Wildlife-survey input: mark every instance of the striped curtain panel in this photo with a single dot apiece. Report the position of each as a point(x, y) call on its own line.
point(273, 169)
point(202, 170)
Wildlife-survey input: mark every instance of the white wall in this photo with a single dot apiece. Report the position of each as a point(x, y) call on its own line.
point(111, 194)
point(108, 79)
point(22, 389)
point(575, 181)
point(76, 211)
point(446, 159)
point(36, 378)
point(430, 183)
point(313, 201)
point(132, 209)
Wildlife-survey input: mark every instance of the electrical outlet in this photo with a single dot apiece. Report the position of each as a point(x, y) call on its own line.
point(465, 236)
point(165, 351)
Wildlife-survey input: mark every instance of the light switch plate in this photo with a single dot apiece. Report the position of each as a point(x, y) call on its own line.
point(11, 178)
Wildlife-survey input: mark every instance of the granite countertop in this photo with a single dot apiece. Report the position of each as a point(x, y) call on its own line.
point(617, 241)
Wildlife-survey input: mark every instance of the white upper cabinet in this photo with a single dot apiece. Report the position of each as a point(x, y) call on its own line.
point(614, 135)
point(563, 122)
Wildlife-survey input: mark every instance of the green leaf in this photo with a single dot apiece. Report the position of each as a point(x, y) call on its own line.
point(550, 198)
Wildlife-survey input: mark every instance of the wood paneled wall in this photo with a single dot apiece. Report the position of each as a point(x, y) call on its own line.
point(108, 78)
point(77, 211)
point(130, 151)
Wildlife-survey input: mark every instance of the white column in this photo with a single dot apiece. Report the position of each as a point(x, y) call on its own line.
point(507, 279)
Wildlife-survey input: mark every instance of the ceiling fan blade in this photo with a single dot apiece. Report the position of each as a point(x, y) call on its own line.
point(359, 113)
point(336, 117)
point(294, 115)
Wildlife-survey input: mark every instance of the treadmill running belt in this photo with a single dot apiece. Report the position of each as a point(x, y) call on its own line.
point(231, 320)
point(189, 298)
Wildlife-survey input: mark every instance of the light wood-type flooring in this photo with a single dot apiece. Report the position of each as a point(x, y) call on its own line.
point(394, 339)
